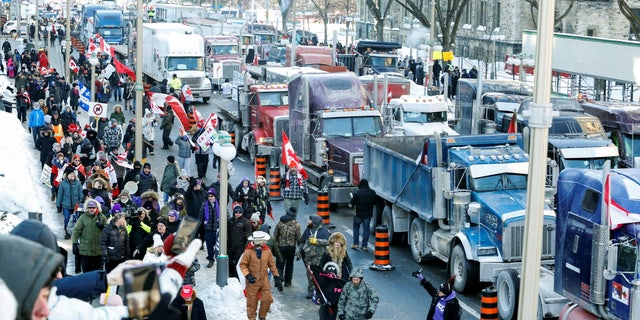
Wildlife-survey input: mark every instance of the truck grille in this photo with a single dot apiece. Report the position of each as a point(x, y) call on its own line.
point(280, 125)
point(228, 69)
point(192, 82)
point(514, 237)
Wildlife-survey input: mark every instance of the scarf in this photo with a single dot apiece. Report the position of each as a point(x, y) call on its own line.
point(206, 212)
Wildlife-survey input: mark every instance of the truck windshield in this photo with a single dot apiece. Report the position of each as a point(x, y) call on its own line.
point(110, 31)
point(274, 99)
point(586, 163)
point(352, 127)
point(185, 63)
point(264, 38)
point(425, 117)
point(503, 181)
point(383, 61)
point(631, 145)
point(230, 49)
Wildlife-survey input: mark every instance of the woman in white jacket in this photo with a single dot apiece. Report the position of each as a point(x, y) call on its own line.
point(149, 122)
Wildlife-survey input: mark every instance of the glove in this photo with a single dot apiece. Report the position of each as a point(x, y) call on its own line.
point(183, 261)
point(368, 314)
point(136, 252)
point(251, 278)
point(114, 278)
point(306, 198)
point(341, 317)
point(418, 274)
point(99, 224)
point(76, 249)
point(278, 283)
point(59, 209)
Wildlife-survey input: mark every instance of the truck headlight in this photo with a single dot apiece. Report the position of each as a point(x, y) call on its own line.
point(339, 179)
point(487, 251)
point(265, 140)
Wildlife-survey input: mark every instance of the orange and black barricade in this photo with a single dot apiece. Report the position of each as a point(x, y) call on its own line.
point(489, 304)
point(274, 183)
point(381, 260)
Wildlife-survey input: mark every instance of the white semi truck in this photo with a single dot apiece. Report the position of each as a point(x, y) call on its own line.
point(173, 48)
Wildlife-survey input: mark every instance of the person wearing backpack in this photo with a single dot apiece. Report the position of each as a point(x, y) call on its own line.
point(444, 305)
point(313, 244)
point(288, 232)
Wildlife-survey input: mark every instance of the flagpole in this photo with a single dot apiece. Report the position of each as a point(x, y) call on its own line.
point(67, 50)
point(139, 87)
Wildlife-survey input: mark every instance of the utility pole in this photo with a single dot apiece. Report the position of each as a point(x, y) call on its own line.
point(67, 41)
point(432, 37)
point(139, 86)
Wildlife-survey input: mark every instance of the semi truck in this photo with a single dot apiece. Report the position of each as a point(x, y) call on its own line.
point(329, 118)
point(597, 244)
point(174, 48)
point(459, 199)
point(418, 116)
point(373, 57)
point(110, 25)
point(222, 58)
point(621, 121)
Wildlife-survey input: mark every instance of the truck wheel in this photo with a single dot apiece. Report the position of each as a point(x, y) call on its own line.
point(387, 220)
point(417, 240)
point(206, 99)
point(508, 288)
point(251, 148)
point(466, 271)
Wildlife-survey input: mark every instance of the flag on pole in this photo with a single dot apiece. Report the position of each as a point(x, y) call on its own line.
point(85, 97)
point(104, 46)
point(155, 108)
point(617, 214)
point(174, 104)
point(389, 97)
point(186, 92)
point(212, 121)
point(289, 156)
point(513, 125)
point(92, 48)
point(200, 122)
point(73, 66)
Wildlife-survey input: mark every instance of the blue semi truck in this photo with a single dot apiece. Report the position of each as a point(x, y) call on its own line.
point(110, 24)
point(460, 199)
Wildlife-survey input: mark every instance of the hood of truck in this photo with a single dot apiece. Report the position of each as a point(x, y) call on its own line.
point(345, 146)
point(502, 202)
point(226, 58)
point(273, 112)
point(382, 70)
point(426, 129)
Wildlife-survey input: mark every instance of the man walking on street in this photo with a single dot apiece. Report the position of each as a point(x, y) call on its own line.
point(287, 234)
point(363, 199)
point(295, 189)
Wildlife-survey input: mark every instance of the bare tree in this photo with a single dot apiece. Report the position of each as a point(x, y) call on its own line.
point(379, 15)
point(285, 7)
point(324, 8)
point(448, 14)
point(632, 17)
point(533, 10)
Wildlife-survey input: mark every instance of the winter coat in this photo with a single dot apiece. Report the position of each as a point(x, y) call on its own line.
point(451, 308)
point(294, 185)
point(170, 178)
point(167, 121)
point(288, 231)
point(184, 147)
point(36, 118)
point(119, 116)
point(69, 193)
point(45, 145)
point(197, 308)
point(88, 234)
point(339, 257)
point(248, 202)
point(312, 253)
point(26, 267)
point(148, 125)
point(114, 242)
point(239, 231)
point(138, 232)
point(355, 301)
point(146, 182)
point(258, 267)
point(364, 199)
point(112, 136)
point(210, 215)
point(194, 200)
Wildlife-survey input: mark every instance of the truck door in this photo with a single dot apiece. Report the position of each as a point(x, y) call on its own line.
point(254, 102)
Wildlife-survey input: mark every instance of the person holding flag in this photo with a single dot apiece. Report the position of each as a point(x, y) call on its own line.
point(294, 181)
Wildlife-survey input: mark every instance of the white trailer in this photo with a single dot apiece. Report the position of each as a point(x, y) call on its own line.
point(173, 48)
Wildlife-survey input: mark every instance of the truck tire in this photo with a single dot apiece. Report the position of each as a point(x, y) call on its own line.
point(206, 99)
point(508, 289)
point(466, 272)
point(417, 241)
point(387, 220)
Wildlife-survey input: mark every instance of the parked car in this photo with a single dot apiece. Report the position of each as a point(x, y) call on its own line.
point(10, 27)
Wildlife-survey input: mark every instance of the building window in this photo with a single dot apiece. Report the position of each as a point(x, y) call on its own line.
point(496, 14)
point(482, 17)
point(591, 32)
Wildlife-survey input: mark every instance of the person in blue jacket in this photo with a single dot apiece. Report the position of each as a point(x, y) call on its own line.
point(36, 121)
point(69, 196)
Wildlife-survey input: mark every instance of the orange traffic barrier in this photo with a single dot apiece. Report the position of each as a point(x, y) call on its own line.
point(274, 183)
point(323, 207)
point(381, 260)
point(233, 137)
point(489, 304)
point(261, 166)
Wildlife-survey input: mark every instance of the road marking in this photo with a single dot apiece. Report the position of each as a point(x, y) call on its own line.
point(464, 306)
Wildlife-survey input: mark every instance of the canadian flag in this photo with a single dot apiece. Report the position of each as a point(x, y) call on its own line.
point(289, 156)
point(617, 214)
point(92, 47)
point(174, 104)
point(104, 46)
point(212, 121)
point(73, 66)
point(186, 92)
point(200, 122)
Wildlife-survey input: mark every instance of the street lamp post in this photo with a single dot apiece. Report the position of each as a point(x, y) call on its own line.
point(226, 151)
point(493, 36)
point(67, 41)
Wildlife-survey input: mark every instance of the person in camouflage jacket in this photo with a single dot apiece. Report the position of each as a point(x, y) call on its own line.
point(313, 244)
point(358, 300)
point(288, 233)
point(112, 136)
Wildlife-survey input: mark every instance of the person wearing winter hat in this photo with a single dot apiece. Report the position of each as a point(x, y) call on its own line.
point(313, 244)
point(146, 180)
point(69, 196)
point(133, 173)
point(210, 220)
point(255, 221)
point(444, 304)
point(86, 236)
point(239, 230)
point(246, 195)
point(263, 200)
point(155, 251)
point(184, 151)
point(255, 258)
point(36, 121)
point(45, 144)
point(173, 221)
point(189, 305)
point(287, 233)
point(114, 242)
point(358, 299)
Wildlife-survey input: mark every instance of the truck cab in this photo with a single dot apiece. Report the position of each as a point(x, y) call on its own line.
point(597, 243)
point(222, 58)
point(379, 57)
point(330, 117)
point(419, 116)
point(621, 121)
point(111, 26)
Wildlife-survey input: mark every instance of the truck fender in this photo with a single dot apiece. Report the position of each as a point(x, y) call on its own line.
point(258, 134)
point(461, 238)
